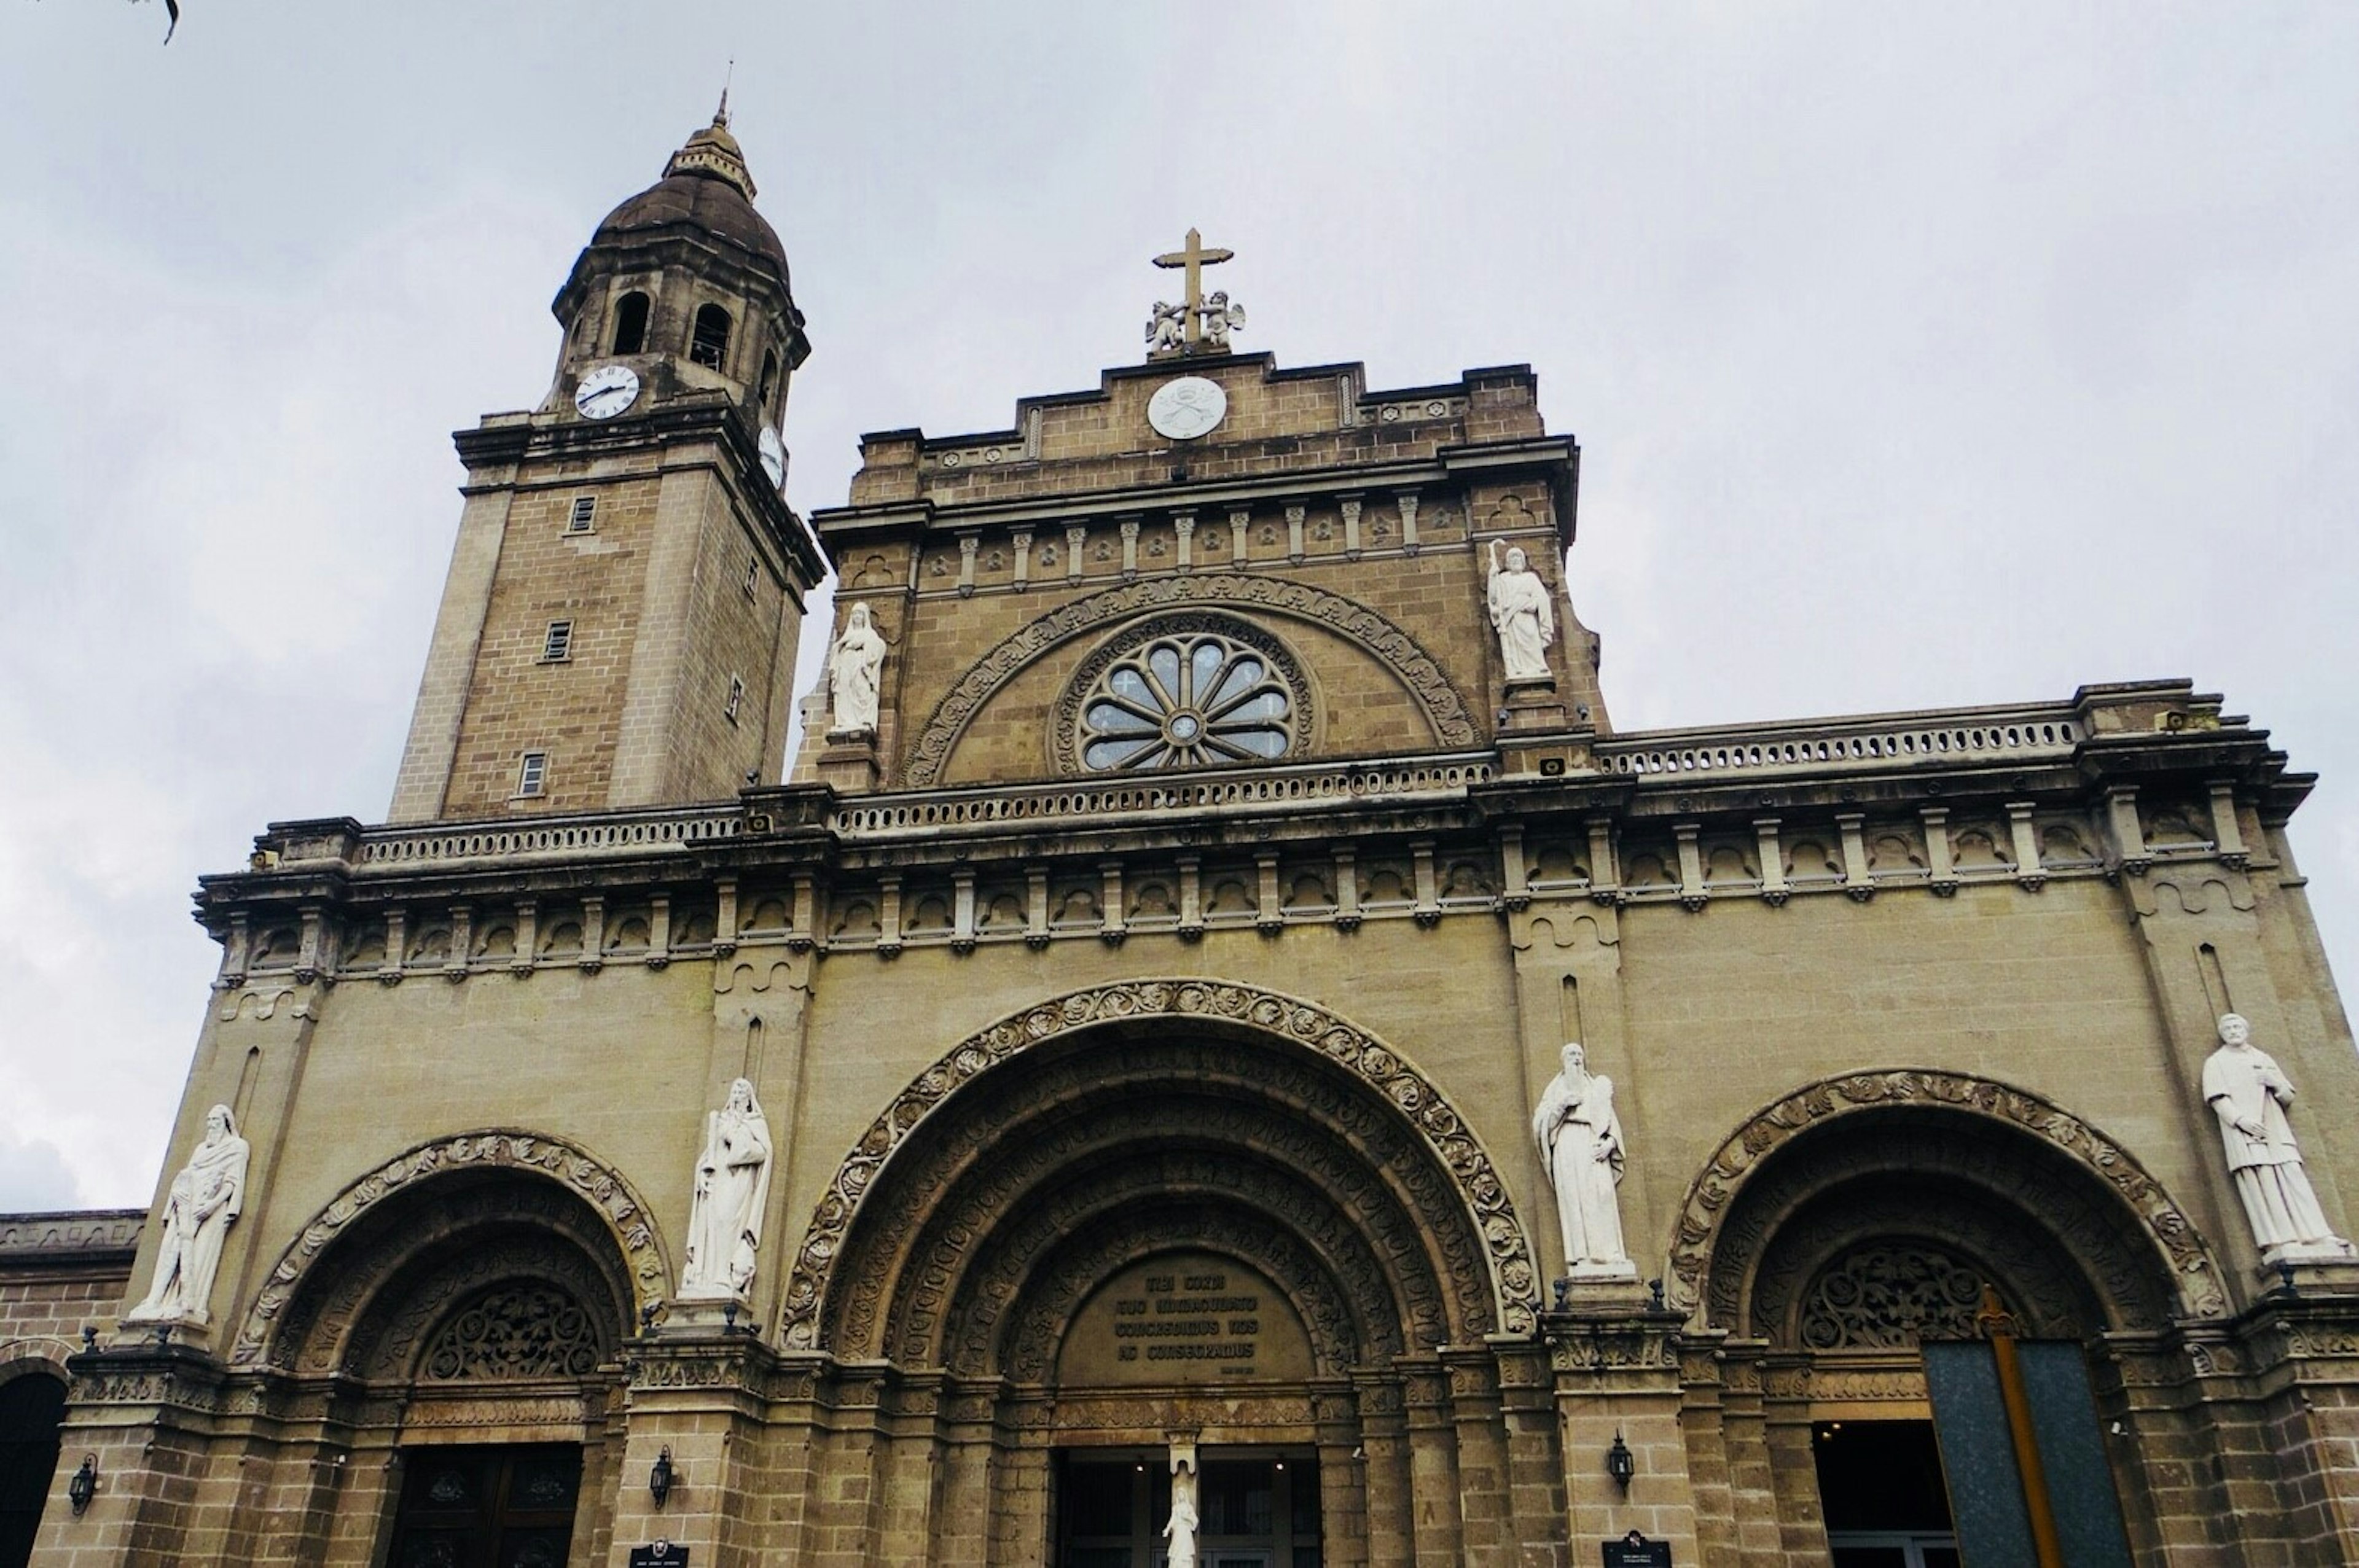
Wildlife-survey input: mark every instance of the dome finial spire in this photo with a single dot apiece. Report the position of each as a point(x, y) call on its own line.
point(713, 153)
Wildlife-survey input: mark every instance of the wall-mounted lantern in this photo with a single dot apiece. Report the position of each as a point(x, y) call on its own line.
point(1620, 1463)
point(660, 1478)
point(85, 1485)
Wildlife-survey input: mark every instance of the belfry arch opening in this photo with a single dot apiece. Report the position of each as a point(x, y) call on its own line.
point(631, 323)
point(708, 344)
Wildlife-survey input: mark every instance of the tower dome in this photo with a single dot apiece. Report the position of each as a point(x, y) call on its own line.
point(685, 287)
point(705, 186)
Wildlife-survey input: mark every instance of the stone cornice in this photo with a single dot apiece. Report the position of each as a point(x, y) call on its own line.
point(1556, 458)
point(503, 441)
point(2116, 781)
point(76, 1235)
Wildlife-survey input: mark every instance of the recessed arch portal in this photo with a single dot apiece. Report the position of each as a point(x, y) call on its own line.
point(947, 1234)
point(314, 1309)
point(2107, 1244)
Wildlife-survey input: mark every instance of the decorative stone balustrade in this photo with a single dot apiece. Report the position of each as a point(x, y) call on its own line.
point(884, 815)
point(634, 833)
point(2031, 734)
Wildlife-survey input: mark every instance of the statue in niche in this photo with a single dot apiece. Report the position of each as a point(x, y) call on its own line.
point(1179, 1529)
point(204, 1203)
point(1521, 614)
point(732, 1179)
point(2249, 1093)
point(855, 667)
point(1580, 1138)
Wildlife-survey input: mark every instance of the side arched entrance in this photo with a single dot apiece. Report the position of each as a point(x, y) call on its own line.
point(1842, 1229)
point(447, 1339)
point(1173, 1214)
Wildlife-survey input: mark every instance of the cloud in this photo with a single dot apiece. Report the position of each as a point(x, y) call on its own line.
point(33, 1176)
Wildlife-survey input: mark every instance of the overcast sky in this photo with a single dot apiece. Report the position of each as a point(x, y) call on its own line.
point(1920, 356)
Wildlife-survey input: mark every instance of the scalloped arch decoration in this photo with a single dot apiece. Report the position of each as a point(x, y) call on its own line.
point(2178, 1247)
point(1514, 1282)
point(1445, 710)
point(556, 1160)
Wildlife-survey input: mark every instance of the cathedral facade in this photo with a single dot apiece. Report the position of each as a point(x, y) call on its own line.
point(1216, 1051)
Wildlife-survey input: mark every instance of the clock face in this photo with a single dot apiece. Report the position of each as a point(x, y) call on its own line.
point(606, 393)
point(774, 457)
point(1187, 407)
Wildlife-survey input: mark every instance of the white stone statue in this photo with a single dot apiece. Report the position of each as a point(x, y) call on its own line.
point(855, 667)
point(1220, 318)
point(732, 1179)
point(1521, 614)
point(1179, 1529)
point(1580, 1138)
point(1167, 328)
point(2249, 1094)
point(198, 1212)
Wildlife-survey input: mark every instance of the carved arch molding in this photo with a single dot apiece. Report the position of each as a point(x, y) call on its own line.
point(1448, 1158)
point(304, 1312)
point(2117, 1218)
point(1420, 674)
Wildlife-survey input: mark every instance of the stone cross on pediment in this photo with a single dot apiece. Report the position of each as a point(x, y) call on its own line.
point(1196, 324)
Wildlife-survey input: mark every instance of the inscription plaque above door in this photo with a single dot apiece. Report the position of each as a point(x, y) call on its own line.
point(1184, 1317)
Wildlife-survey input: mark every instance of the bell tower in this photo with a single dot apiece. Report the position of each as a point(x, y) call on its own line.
point(618, 625)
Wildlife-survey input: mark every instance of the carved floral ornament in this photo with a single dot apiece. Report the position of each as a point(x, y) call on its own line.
point(1514, 1280)
point(1445, 710)
point(552, 1159)
point(2173, 1237)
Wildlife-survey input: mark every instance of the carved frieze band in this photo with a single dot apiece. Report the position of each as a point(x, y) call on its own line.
point(1445, 710)
point(552, 1158)
point(2174, 1238)
point(1514, 1282)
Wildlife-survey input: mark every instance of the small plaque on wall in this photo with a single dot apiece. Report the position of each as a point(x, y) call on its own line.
point(664, 1554)
point(1635, 1550)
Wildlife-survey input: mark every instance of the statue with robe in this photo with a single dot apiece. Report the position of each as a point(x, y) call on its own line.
point(2249, 1093)
point(733, 1181)
point(1179, 1529)
point(1580, 1136)
point(203, 1203)
point(855, 668)
point(1521, 614)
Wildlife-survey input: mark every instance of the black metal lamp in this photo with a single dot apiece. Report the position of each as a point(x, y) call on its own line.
point(660, 1478)
point(1620, 1463)
point(85, 1485)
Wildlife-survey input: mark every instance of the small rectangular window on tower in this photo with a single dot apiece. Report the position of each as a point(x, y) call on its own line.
point(583, 518)
point(532, 775)
point(753, 574)
point(557, 645)
point(736, 699)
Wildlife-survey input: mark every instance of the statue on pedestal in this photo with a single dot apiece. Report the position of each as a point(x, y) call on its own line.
point(204, 1203)
point(732, 1179)
point(2249, 1093)
point(1521, 614)
point(1580, 1136)
point(1179, 1529)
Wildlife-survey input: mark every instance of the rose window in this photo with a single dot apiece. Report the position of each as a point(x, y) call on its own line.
point(1187, 699)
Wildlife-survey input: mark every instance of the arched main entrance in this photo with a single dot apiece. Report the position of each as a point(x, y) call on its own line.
point(1843, 1229)
point(1169, 1216)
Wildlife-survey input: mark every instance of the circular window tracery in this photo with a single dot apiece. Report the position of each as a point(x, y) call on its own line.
point(1184, 692)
